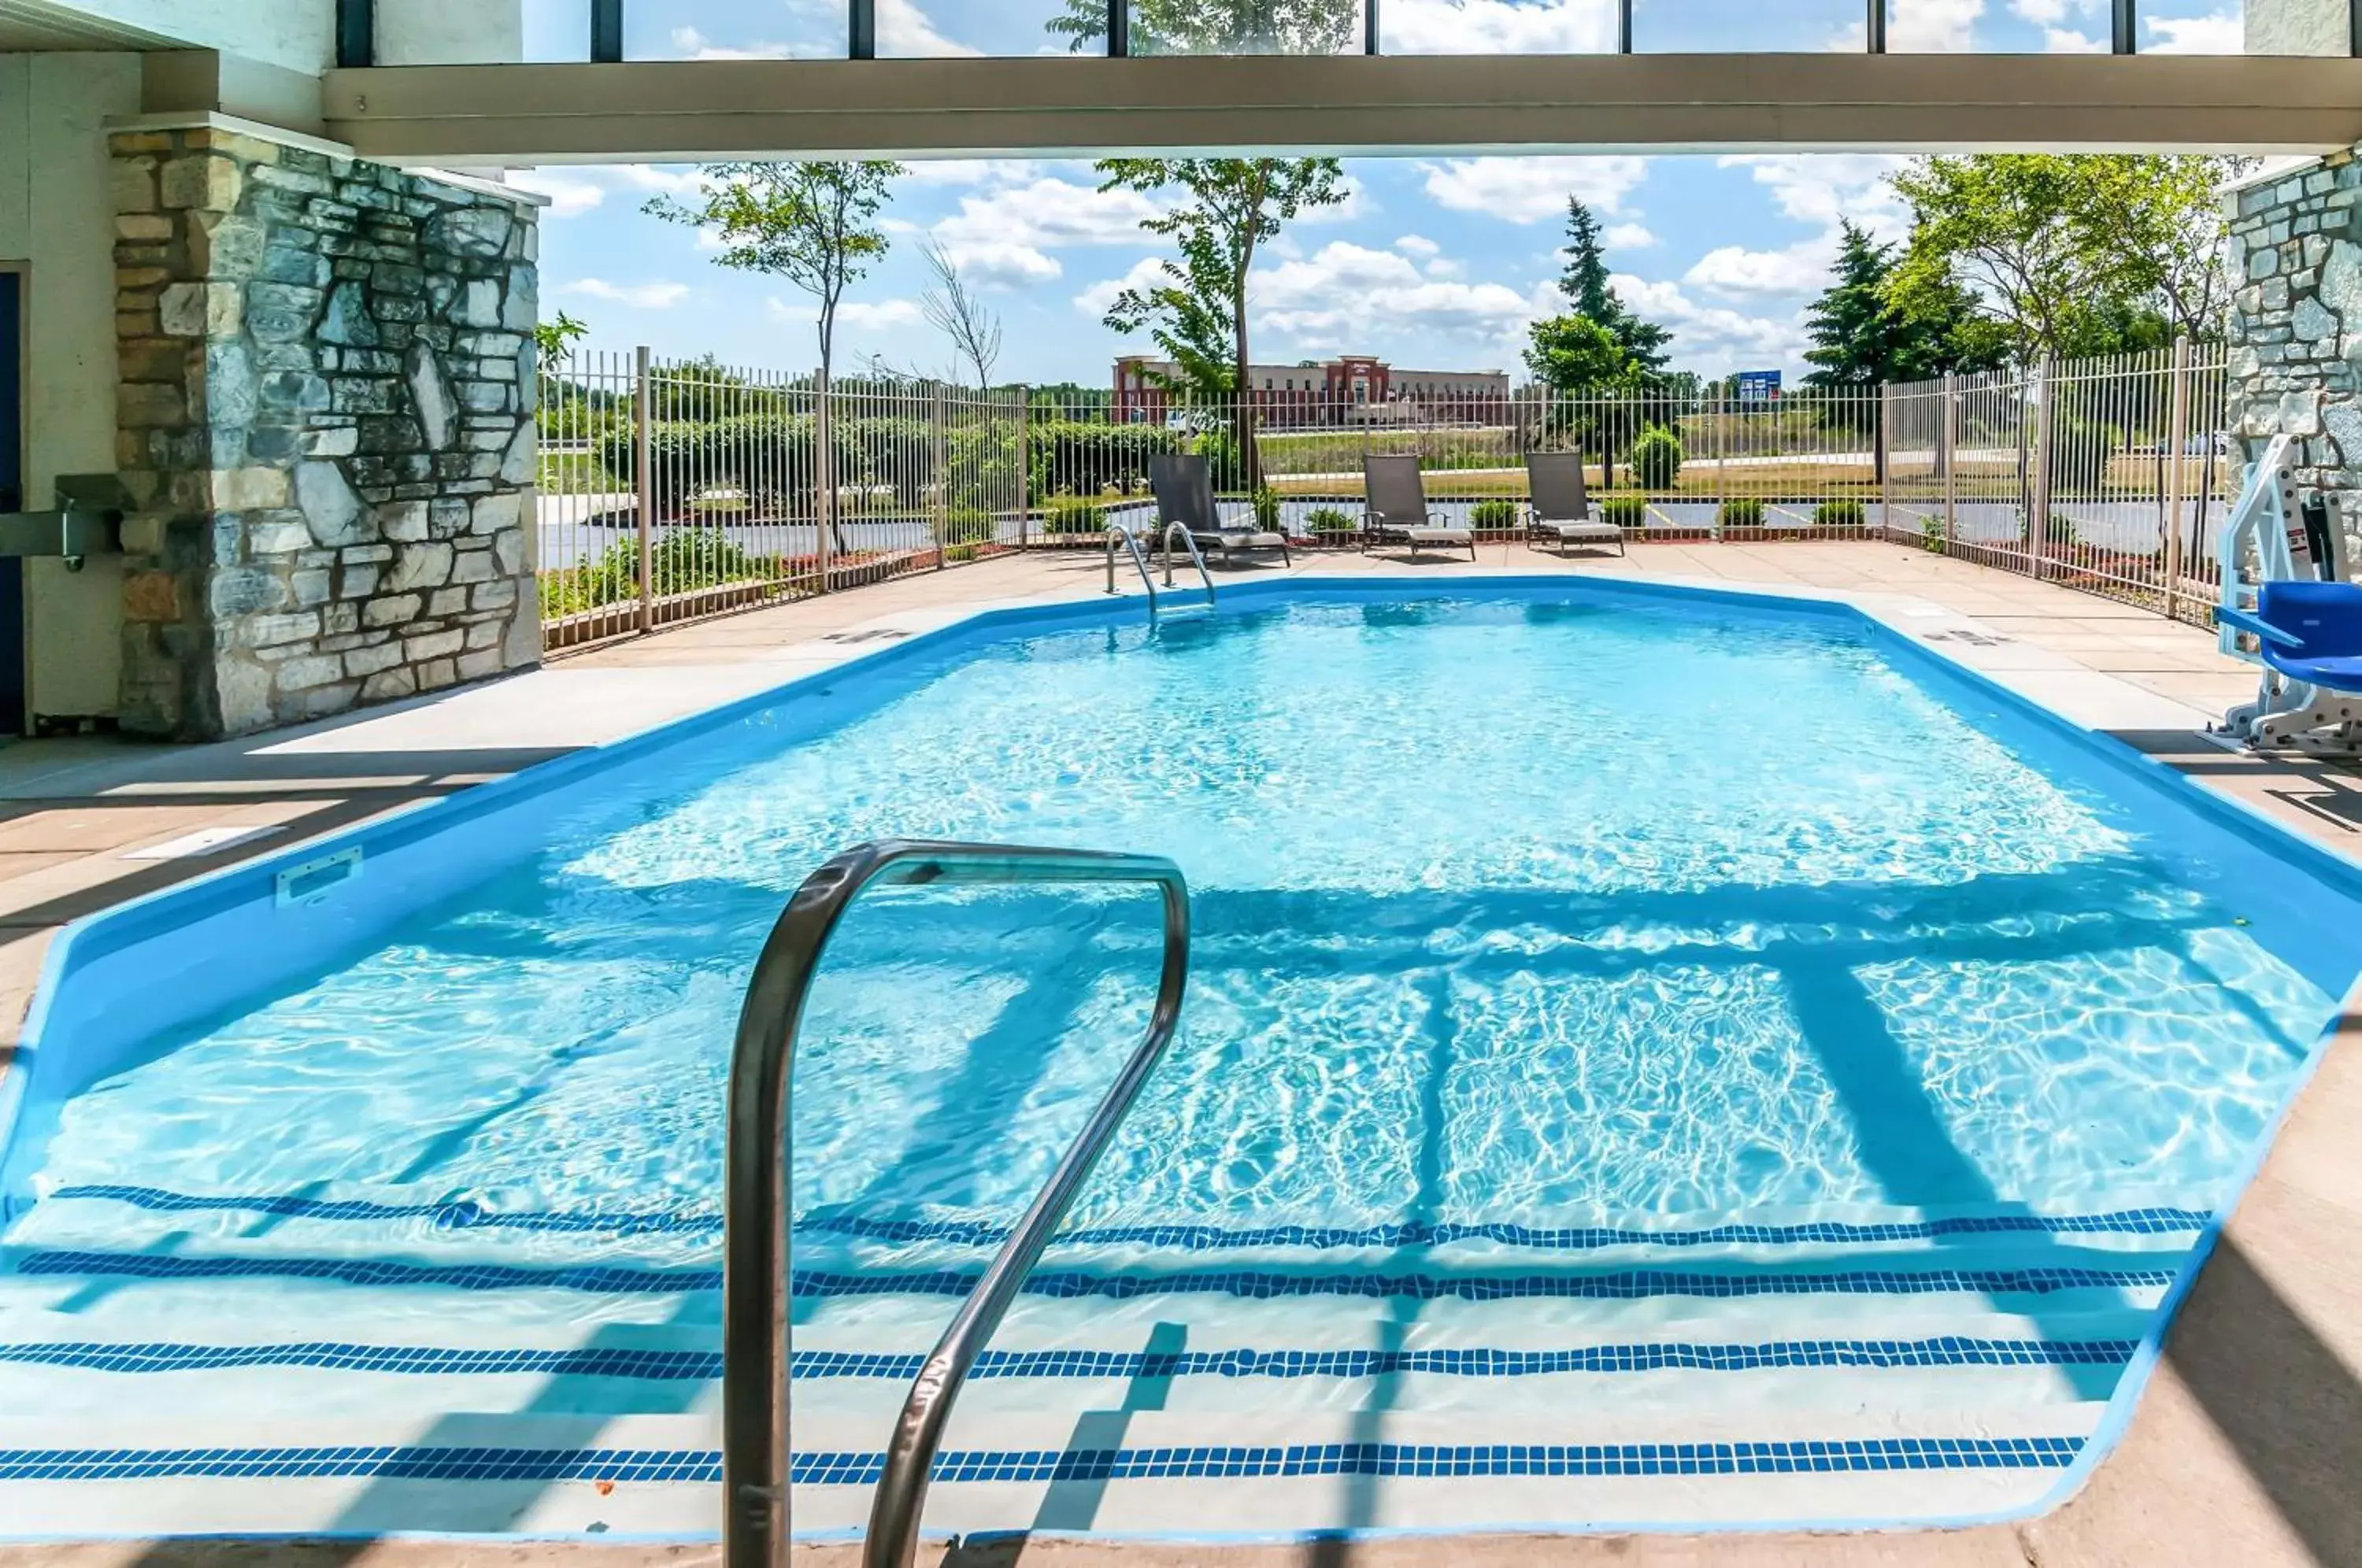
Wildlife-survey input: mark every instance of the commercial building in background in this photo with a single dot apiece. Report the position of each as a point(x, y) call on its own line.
point(1352, 389)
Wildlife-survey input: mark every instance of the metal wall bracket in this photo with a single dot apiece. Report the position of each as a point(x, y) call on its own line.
point(87, 521)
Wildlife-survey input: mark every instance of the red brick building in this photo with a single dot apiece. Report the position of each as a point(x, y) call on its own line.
point(1353, 389)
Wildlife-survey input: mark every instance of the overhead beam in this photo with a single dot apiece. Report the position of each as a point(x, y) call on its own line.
point(680, 111)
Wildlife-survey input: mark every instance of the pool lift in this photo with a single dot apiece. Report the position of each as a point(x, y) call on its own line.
point(2283, 538)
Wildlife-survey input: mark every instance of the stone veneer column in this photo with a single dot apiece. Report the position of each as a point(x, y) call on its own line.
point(2296, 323)
point(326, 422)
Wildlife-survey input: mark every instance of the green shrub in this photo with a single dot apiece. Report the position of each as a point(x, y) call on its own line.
point(1845, 513)
point(1266, 509)
point(967, 526)
point(1742, 511)
point(1328, 520)
point(1931, 534)
point(1074, 515)
point(1494, 514)
point(1625, 511)
point(1088, 456)
point(1656, 458)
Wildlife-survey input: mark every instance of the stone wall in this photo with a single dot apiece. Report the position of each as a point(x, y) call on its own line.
point(2296, 322)
point(324, 418)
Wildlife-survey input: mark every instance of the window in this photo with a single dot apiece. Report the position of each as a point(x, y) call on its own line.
point(1269, 26)
point(731, 29)
point(912, 28)
point(1709, 27)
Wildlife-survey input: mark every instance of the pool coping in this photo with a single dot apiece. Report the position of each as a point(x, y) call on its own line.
point(1915, 627)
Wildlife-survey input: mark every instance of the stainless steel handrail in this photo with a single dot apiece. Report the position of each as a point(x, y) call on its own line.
point(756, 1351)
point(1165, 548)
point(1139, 559)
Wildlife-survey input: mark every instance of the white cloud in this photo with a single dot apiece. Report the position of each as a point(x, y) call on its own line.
point(1528, 190)
point(903, 29)
point(1048, 213)
point(688, 43)
point(1338, 296)
point(1629, 237)
point(2221, 33)
point(1499, 27)
point(1934, 27)
point(992, 265)
point(876, 314)
point(570, 194)
point(638, 296)
point(1821, 188)
point(972, 170)
point(1146, 273)
point(1418, 245)
point(2052, 16)
point(1715, 336)
point(1735, 269)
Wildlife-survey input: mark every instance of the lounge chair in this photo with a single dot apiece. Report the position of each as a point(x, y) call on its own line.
point(1561, 509)
point(1183, 488)
point(1397, 512)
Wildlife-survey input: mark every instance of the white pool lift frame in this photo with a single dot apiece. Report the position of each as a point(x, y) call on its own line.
point(2285, 537)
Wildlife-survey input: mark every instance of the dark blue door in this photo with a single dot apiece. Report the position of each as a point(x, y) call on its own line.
point(12, 499)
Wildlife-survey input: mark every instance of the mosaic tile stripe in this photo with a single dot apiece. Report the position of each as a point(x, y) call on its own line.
point(662, 1366)
point(464, 1215)
point(1408, 1461)
point(1625, 1285)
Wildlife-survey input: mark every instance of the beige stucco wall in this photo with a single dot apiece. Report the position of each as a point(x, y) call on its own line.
point(57, 217)
point(2297, 27)
point(298, 33)
point(452, 32)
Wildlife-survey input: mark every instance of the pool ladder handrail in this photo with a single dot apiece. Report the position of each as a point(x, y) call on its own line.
point(756, 1348)
point(1165, 550)
point(1117, 531)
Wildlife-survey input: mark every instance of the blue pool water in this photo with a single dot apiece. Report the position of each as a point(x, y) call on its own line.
point(1513, 911)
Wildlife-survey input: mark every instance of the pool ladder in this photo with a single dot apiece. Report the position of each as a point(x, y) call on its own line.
point(756, 1332)
point(1131, 542)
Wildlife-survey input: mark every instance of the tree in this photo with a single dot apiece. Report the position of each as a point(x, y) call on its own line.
point(1217, 27)
point(1586, 284)
point(1569, 353)
point(960, 314)
point(1861, 338)
point(2066, 254)
point(1197, 313)
point(555, 340)
point(812, 224)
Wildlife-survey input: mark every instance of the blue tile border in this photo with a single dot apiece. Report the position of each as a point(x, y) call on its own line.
point(1405, 1461)
point(1621, 1285)
point(464, 1214)
point(699, 1365)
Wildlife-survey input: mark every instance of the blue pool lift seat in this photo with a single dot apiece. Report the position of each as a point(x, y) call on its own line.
point(2310, 632)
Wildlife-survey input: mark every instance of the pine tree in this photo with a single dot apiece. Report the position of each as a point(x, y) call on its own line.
point(1586, 284)
point(1861, 337)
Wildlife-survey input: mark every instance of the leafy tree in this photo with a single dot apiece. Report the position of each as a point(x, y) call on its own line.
point(1861, 338)
point(555, 340)
point(813, 224)
point(2067, 255)
point(1569, 353)
point(1217, 27)
point(1197, 313)
point(1585, 285)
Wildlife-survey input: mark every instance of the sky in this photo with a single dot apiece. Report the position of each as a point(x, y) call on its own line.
point(1436, 264)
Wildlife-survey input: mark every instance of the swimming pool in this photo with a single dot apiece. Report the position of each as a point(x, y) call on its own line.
point(1627, 1027)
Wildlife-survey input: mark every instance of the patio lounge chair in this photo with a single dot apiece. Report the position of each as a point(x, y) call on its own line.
point(1561, 509)
point(1183, 488)
point(1397, 512)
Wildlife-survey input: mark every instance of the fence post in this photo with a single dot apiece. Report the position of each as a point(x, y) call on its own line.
point(1947, 453)
point(824, 482)
point(2038, 524)
point(1883, 458)
point(1024, 467)
point(942, 505)
point(642, 419)
point(2177, 438)
point(1718, 419)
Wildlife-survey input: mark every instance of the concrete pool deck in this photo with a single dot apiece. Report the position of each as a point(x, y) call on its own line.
point(2248, 1438)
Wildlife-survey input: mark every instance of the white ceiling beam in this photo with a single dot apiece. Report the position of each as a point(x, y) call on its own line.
point(668, 111)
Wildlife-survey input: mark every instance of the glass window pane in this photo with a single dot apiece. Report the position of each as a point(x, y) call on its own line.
point(911, 27)
point(1245, 26)
point(734, 30)
point(2223, 27)
point(1496, 27)
point(1720, 27)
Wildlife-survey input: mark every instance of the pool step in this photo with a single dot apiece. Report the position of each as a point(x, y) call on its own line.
point(1117, 1472)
